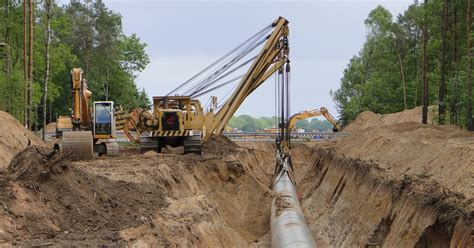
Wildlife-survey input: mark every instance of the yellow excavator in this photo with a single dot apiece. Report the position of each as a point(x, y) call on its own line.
point(86, 131)
point(180, 120)
point(313, 113)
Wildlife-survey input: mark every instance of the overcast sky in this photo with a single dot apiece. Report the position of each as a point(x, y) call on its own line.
point(185, 36)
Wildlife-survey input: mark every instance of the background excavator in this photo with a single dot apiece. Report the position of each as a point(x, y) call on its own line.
point(313, 113)
point(181, 120)
point(87, 130)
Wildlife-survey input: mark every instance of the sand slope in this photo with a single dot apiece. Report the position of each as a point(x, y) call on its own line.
point(13, 138)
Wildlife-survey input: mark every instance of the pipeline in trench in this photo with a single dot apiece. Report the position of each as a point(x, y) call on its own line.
point(288, 226)
point(224, 199)
point(345, 202)
point(349, 202)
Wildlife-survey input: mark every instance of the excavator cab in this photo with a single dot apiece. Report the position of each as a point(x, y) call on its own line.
point(170, 121)
point(104, 123)
point(88, 130)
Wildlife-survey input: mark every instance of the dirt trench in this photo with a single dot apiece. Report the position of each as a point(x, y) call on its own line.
point(358, 191)
point(348, 202)
point(393, 182)
point(221, 199)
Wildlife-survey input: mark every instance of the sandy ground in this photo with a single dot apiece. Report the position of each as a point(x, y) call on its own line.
point(218, 199)
point(403, 147)
point(13, 138)
point(393, 181)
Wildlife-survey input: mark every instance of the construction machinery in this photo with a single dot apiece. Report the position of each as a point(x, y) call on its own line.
point(313, 113)
point(87, 131)
point(181, 120)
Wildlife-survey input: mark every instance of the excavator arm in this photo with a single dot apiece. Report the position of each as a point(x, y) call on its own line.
point(313, 113)
point(81, 115)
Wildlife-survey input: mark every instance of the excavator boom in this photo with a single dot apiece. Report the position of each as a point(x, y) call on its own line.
point(313, 113)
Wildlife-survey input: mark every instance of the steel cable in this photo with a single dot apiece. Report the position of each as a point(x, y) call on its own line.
point(263, 31)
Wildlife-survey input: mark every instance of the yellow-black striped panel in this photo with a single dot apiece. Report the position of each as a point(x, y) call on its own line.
point(172, 133)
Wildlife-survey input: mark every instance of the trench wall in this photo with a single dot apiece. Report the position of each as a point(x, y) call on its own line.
point(348, 202)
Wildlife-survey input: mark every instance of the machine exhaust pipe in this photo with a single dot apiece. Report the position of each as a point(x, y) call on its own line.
point(288, 226)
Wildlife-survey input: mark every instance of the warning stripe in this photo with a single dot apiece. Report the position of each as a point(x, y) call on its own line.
point(172, 133)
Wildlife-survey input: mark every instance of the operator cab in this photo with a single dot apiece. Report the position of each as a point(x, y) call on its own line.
point(104, 124)
point(170, 121)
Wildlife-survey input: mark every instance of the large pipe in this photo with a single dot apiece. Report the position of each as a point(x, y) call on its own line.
point(288, 226)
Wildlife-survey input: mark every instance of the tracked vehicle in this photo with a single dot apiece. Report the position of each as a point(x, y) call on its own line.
point(87, 130)
point(179, 119)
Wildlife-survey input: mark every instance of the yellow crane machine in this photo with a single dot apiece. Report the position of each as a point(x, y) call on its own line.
point(313, 113)
point(181, 120)
point(87, 130)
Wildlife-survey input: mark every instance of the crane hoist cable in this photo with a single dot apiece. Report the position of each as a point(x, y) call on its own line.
point(209, 79)
point(264, 30)
point(223, 67)
point(216, 76)
point(227, 96)
point(200, 91)
point(219, 86)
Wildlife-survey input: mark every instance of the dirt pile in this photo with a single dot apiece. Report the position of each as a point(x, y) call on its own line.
point(47, 200)
point(13, 138)
point(219, 145)
point(442, 154)
point(392, 182)
point(370, 119)
point(349, 202)
point(220, 199)
point(51, 127)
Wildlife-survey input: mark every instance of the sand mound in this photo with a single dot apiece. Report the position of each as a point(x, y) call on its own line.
point(402, 147)
point(150, 153)
point(51, 127)
point(216, 200)
point(369, 119)
point(218, 145)
point(13, 138)
point(162, 200)
point(46, 198)
point(415, 179)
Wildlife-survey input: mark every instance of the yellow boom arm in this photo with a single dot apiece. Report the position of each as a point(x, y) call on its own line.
point(313, 113)
point(272, 57)
point(81, 95)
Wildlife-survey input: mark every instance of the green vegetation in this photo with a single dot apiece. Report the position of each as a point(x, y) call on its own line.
point(86, 35)
point(388, 73)
point(246, 123)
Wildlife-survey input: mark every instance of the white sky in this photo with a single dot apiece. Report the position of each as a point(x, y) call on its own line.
point(185, 36)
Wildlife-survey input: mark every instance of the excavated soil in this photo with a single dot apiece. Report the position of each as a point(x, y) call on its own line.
point(391, 183)
point(13, 138)
point(218, 199)
point(370, 119)
point(46, 200)
point(51, 127)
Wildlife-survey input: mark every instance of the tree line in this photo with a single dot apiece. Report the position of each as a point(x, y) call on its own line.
point(83, 34)
point(247, 123)
point(421, 57)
